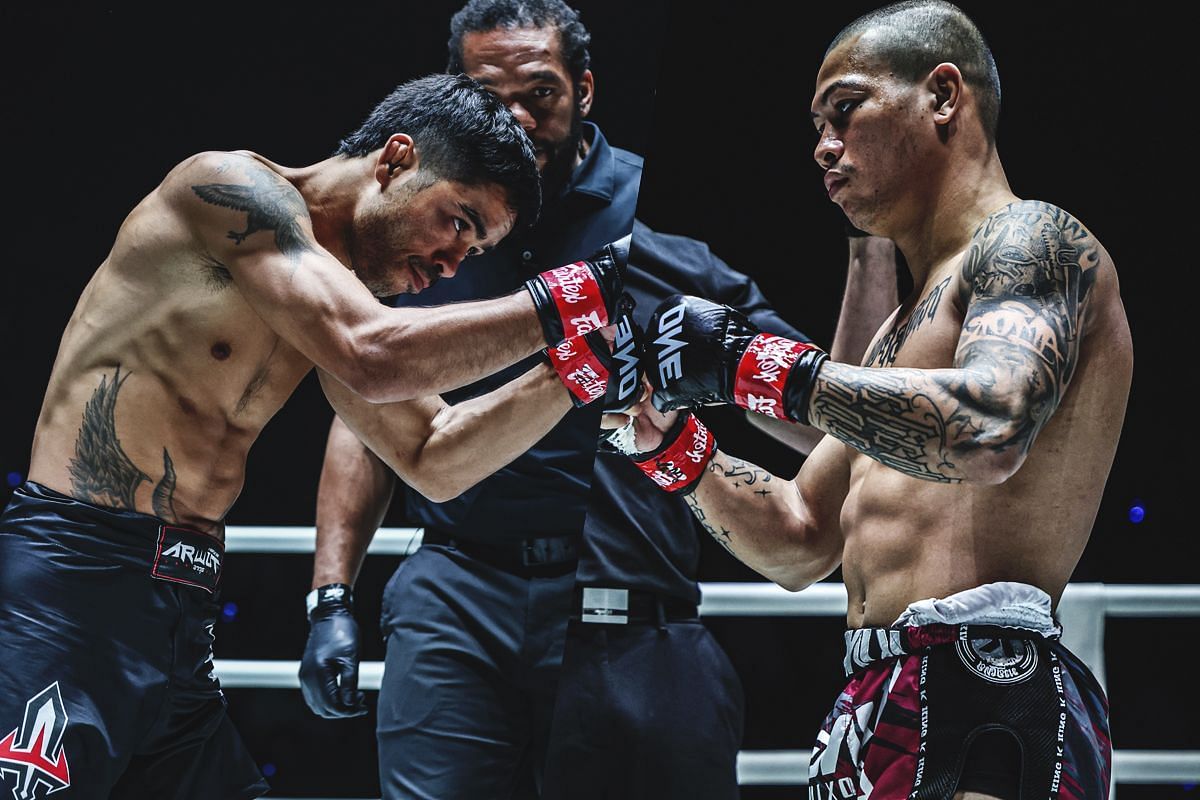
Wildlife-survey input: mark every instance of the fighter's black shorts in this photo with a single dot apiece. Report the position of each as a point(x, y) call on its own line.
point(106, 684)
point(934, 708)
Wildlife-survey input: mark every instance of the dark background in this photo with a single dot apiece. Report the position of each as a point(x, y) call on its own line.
point(100, 105)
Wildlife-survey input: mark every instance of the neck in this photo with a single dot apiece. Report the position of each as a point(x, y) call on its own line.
point(945, 219)
point(330, 190)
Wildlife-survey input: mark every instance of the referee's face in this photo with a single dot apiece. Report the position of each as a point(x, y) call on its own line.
point(524, 67)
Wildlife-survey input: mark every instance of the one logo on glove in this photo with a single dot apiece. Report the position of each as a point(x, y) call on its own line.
point(572, 285)
point(187, 556)
point(34, 753)
point(762, 373)
point(625, 353)
point(670, 325)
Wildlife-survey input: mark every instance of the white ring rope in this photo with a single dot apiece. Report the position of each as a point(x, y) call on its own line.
point(1082, 611)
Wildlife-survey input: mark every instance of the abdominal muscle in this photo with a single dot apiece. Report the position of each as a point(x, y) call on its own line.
point(908, 540)
point(156, 395)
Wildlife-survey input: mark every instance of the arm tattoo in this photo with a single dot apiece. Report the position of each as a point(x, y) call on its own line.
point(1026, 278)
point(101, 472)
point(270, 203)
point(740, 473)
point(724, 537)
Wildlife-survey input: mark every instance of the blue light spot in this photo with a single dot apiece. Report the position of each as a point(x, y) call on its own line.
point(14, 479)
point(268, 770)
point(1137, 513)
point(229, 611)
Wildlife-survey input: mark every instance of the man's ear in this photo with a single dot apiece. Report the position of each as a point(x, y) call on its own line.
point(586, 88)
point(945, 84)
point(399, 154)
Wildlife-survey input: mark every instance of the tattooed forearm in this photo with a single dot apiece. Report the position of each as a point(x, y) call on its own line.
point(100, 470)
point(890, 415)
point(270, 203)
point(736, 469)
point(724, 537)
point(163, 500)
point(1026, 279)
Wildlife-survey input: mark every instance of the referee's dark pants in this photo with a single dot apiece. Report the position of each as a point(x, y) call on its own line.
point(474, 637)
point(650, 709)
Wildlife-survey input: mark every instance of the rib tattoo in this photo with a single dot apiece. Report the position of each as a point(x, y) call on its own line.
point(101, 472)
point(1025, 282)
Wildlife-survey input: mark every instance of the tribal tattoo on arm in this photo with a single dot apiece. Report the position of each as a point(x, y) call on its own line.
point(1026, 279)
point(270, 203)
point(101, 472)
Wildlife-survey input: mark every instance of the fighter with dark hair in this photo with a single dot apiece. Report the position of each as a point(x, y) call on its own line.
point(488, 690)
point(225, 286)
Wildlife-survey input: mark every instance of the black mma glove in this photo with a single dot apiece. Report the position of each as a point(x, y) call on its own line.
point(576, 298)
point(701, 353)
point(329, 668)
point(591, 370)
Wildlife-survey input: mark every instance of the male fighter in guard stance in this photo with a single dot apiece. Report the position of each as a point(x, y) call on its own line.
point(224, 287)
point(966, 458)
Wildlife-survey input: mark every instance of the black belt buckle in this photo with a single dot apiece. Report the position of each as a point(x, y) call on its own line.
point(548, 551)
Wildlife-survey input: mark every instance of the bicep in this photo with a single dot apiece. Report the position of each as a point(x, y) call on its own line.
point(1025, 282)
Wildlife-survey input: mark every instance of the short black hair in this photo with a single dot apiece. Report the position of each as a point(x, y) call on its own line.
point(462, 133)
point(480, 16)
point(917, 35)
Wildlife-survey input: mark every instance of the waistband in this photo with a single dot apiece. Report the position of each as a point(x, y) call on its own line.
point(535, 557)
point(867, 646)
point(172, 553)
point(1002, 610)
point(608, 606)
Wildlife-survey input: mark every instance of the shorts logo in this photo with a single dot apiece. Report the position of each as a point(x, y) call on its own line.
point(186, 556)
point(33, 753)
point(998, 660)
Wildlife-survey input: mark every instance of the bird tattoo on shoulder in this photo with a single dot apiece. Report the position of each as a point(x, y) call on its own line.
point(271, 204)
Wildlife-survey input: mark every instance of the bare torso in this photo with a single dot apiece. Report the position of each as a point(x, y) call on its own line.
point(907, 539)
point(164, 377)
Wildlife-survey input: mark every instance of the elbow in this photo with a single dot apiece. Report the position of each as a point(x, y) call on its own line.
point(436, 486)
point(807, 561)
point(438, 491)
point(994, 460)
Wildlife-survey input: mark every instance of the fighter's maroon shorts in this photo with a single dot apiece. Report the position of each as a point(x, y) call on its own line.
point(919, 697)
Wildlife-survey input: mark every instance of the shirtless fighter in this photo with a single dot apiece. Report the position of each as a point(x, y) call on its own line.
point(967, 456)
point(224, 287)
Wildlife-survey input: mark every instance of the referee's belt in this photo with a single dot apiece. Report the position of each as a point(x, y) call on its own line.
point(608, 606)
point(535, 556)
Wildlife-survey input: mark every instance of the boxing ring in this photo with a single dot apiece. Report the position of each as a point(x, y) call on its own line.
point(1083, 611)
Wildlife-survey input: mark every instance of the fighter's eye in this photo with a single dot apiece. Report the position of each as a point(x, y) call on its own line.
point(473, 251)
point(460, 225)
point(845, 106)
point(542, 92)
